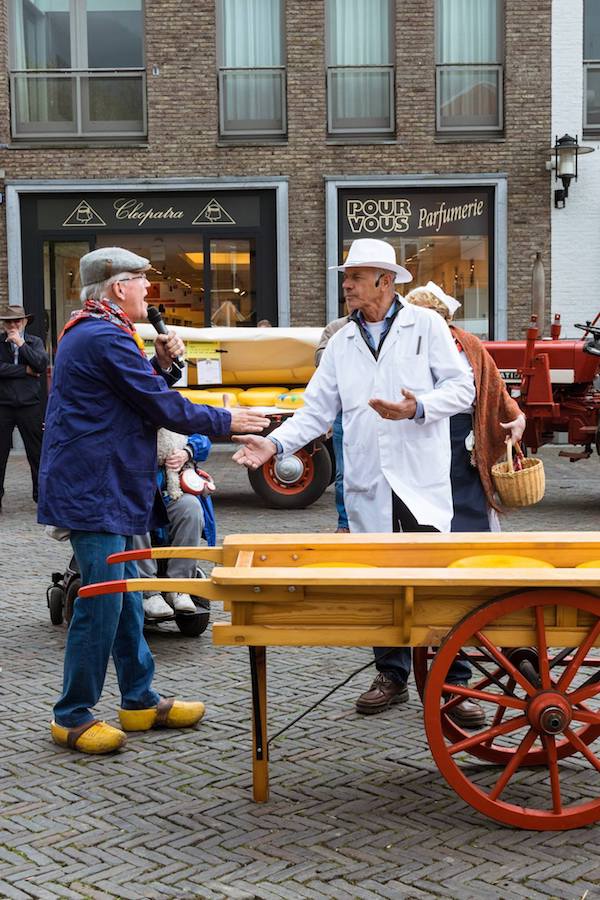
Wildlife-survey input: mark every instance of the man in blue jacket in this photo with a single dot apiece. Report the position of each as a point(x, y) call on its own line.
point(98, 479)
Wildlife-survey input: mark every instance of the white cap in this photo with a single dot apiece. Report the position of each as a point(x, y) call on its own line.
point(374, 254)
point(451, 302)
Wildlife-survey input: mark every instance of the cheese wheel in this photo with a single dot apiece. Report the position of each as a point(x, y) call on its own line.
point(209, 398)
point(261, 397)
point(592, 564)
point(291, 400)
point(499, 561)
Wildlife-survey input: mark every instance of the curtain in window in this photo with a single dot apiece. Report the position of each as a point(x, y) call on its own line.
point(251, 40)
point(470, 45)
point(468, 31)
point(360, 35)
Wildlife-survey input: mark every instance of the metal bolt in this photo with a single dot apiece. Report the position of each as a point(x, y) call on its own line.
point(291, 588)
point(295, 556)
point(263, 556)
point(256, 589)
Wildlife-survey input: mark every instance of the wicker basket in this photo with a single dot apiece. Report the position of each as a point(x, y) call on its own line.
point(522, 487)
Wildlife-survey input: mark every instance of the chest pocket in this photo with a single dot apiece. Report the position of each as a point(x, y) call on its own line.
point(412, 371)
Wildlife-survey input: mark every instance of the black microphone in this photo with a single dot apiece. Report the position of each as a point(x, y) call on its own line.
point(156, 320)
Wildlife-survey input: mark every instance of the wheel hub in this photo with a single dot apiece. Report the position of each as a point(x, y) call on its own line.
point(549, 712)
point(289, 470)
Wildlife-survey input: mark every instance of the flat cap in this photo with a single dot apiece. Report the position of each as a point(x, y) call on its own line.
point(102, 264)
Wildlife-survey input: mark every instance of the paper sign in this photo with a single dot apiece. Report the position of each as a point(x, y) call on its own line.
point(209, 371)
point(202, 349)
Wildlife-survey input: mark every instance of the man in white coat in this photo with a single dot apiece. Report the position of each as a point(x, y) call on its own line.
point(394, 372)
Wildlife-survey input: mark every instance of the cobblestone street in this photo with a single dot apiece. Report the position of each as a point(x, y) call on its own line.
point(357, 810)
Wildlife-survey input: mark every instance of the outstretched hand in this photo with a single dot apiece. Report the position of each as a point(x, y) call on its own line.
point(255, 452)
point(244, 420)
point(405, 409)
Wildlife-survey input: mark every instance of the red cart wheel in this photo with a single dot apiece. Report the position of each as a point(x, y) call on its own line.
point(493, 751)
point(543, 711)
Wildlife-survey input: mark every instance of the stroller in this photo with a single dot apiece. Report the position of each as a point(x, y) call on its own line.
point(61, 594)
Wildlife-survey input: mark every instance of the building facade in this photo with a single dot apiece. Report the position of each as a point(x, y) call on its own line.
point(242, 145)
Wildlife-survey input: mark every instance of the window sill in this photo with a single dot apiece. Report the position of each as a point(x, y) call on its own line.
point(76, 144)
point(469, 138)
point(252, 142)
point(364, 141)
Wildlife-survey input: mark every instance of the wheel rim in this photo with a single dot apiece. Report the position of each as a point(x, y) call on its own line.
point(282, 480)
point(545, 718)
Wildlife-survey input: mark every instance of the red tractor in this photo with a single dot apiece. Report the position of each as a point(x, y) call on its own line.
point(556, 383)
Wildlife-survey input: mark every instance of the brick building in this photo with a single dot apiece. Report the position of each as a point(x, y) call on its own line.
point(242, 144)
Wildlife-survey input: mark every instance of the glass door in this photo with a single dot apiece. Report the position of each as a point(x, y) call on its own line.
point(62, 286)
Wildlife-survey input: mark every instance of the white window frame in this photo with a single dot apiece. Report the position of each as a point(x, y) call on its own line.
point(390, 68)
point(78, 72)
point(223, 70)
point(497, 67)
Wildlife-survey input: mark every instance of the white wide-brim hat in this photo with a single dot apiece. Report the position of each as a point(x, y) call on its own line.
point(451, 302)
point(374, 254)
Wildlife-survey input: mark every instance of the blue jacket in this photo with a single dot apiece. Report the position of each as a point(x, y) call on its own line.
point(98, 465)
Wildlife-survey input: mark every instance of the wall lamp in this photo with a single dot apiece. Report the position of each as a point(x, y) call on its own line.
point(567, 151)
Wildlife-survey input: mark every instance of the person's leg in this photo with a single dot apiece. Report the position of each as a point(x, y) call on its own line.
point(132, 657)
point(338, 452)
point(7, 424)
point(92, 630)
point(186, 522)
point(155, 605)
point(29, 423)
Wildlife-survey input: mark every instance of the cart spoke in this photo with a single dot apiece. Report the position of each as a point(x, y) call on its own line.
point(586, 715)
point(583, 748)
point(483, 736)
point(461, 692)
point(542, 647)
point(499, 714)
point(550, 748)
point(588, 689)
point(569, 673)
point(519, 755)
point(506, 664)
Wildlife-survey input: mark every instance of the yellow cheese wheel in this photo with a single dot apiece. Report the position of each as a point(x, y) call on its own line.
point(261, 397)
point(268, 389)
point(592, 564)
point(499, 561)
point(209, 398)
point(291, 400)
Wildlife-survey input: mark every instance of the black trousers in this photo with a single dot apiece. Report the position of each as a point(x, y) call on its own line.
point(28, 419)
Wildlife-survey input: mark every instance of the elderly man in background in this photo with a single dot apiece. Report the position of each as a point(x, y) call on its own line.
point(23, 362)
point(98, 480)
point(394, 372)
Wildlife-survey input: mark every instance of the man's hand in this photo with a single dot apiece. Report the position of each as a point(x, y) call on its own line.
point(30, 371)
point(243, 420)
point(516, 428)
point(177, 460)
point(13, 334)
point(405, 409)
point(255, 452)
point(168, 347)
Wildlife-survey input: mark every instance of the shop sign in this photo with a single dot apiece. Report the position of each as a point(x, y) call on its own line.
point(148, 211)
point(415, 213)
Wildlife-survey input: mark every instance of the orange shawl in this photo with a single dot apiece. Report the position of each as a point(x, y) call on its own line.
point(493, 404)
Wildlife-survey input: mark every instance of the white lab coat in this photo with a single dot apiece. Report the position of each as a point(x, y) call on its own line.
point(409, 457)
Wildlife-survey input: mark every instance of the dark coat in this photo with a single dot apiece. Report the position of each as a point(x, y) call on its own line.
point(98, 467)
point(17, 387)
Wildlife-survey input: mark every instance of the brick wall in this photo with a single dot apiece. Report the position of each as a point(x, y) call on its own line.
point(183, 132)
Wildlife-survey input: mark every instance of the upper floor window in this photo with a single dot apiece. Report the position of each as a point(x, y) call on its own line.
point(252, 91)
point(591, 67)
point(360, 67)
point(77, 69)
point(469, 76)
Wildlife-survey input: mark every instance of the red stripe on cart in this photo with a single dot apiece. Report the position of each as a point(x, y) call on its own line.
point(144, 553)
point(103, 587)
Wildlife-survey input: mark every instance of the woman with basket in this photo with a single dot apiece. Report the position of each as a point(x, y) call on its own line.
point(478, 435)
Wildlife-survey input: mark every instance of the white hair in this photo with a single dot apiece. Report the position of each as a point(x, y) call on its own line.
point(98, 290)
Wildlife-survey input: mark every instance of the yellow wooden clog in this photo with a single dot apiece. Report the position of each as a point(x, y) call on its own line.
point(92, 737)
point(169, 713)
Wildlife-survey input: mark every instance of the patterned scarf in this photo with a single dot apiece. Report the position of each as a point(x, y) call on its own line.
point(109, 311)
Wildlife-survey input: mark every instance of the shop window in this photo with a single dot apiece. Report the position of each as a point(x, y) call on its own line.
point(252, 83)
point(360, 69)
point(77, 69)
point(469, 71)
point(445, 236)
point(591, 68)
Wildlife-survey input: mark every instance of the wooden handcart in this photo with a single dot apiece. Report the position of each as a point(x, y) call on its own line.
point(531, 635)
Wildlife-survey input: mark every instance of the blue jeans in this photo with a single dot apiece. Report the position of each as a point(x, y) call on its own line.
point(101, 626)
point(338, 452)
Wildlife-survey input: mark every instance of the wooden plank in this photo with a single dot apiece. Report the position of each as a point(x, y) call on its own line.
point(210, 554)
point(313, 612)
point(549, 539)
point(245, 559)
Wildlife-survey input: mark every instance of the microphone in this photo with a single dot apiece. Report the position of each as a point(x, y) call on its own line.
point(156, 320)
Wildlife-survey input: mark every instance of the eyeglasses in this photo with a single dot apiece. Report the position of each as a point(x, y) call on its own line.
point(133, 278)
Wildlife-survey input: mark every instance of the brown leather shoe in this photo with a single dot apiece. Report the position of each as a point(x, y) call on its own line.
point(383, 692)
point(468, 713)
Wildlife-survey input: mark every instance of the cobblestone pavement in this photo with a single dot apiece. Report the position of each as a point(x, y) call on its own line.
point(357, 809)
